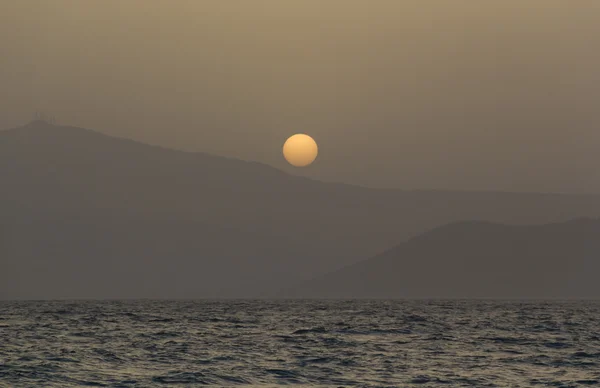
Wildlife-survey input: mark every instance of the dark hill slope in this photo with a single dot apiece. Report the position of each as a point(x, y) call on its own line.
point(477, 260)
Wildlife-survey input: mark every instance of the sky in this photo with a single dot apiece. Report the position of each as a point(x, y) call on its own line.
point(462, 95)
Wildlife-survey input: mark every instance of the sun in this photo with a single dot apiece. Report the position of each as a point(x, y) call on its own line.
point(300, 150)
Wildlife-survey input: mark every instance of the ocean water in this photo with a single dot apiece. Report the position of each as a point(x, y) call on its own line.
point(302, 343)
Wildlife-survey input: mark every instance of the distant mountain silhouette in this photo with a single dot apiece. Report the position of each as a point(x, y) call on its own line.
point(88, 215)
point(476, 260)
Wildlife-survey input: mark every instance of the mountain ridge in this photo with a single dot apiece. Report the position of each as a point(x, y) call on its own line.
point(39, 124)
point(263, 227)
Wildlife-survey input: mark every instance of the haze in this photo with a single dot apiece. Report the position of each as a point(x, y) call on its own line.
point(495, 95)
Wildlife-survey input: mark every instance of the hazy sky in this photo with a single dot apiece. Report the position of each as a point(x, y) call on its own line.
point(412, 94)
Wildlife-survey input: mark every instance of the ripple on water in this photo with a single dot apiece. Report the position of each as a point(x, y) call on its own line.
point(304, 343)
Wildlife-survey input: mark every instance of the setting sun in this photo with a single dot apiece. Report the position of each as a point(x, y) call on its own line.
point(300, 150)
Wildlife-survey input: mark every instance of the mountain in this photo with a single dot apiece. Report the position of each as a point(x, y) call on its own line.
point(476, 260)
point(89, 215)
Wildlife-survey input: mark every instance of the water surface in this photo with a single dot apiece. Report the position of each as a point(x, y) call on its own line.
point(303, 343)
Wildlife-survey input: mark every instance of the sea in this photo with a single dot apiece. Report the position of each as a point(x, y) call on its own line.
point(303, 343)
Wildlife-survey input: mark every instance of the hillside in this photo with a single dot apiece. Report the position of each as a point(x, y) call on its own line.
point(158, 222)
point(477, 260)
